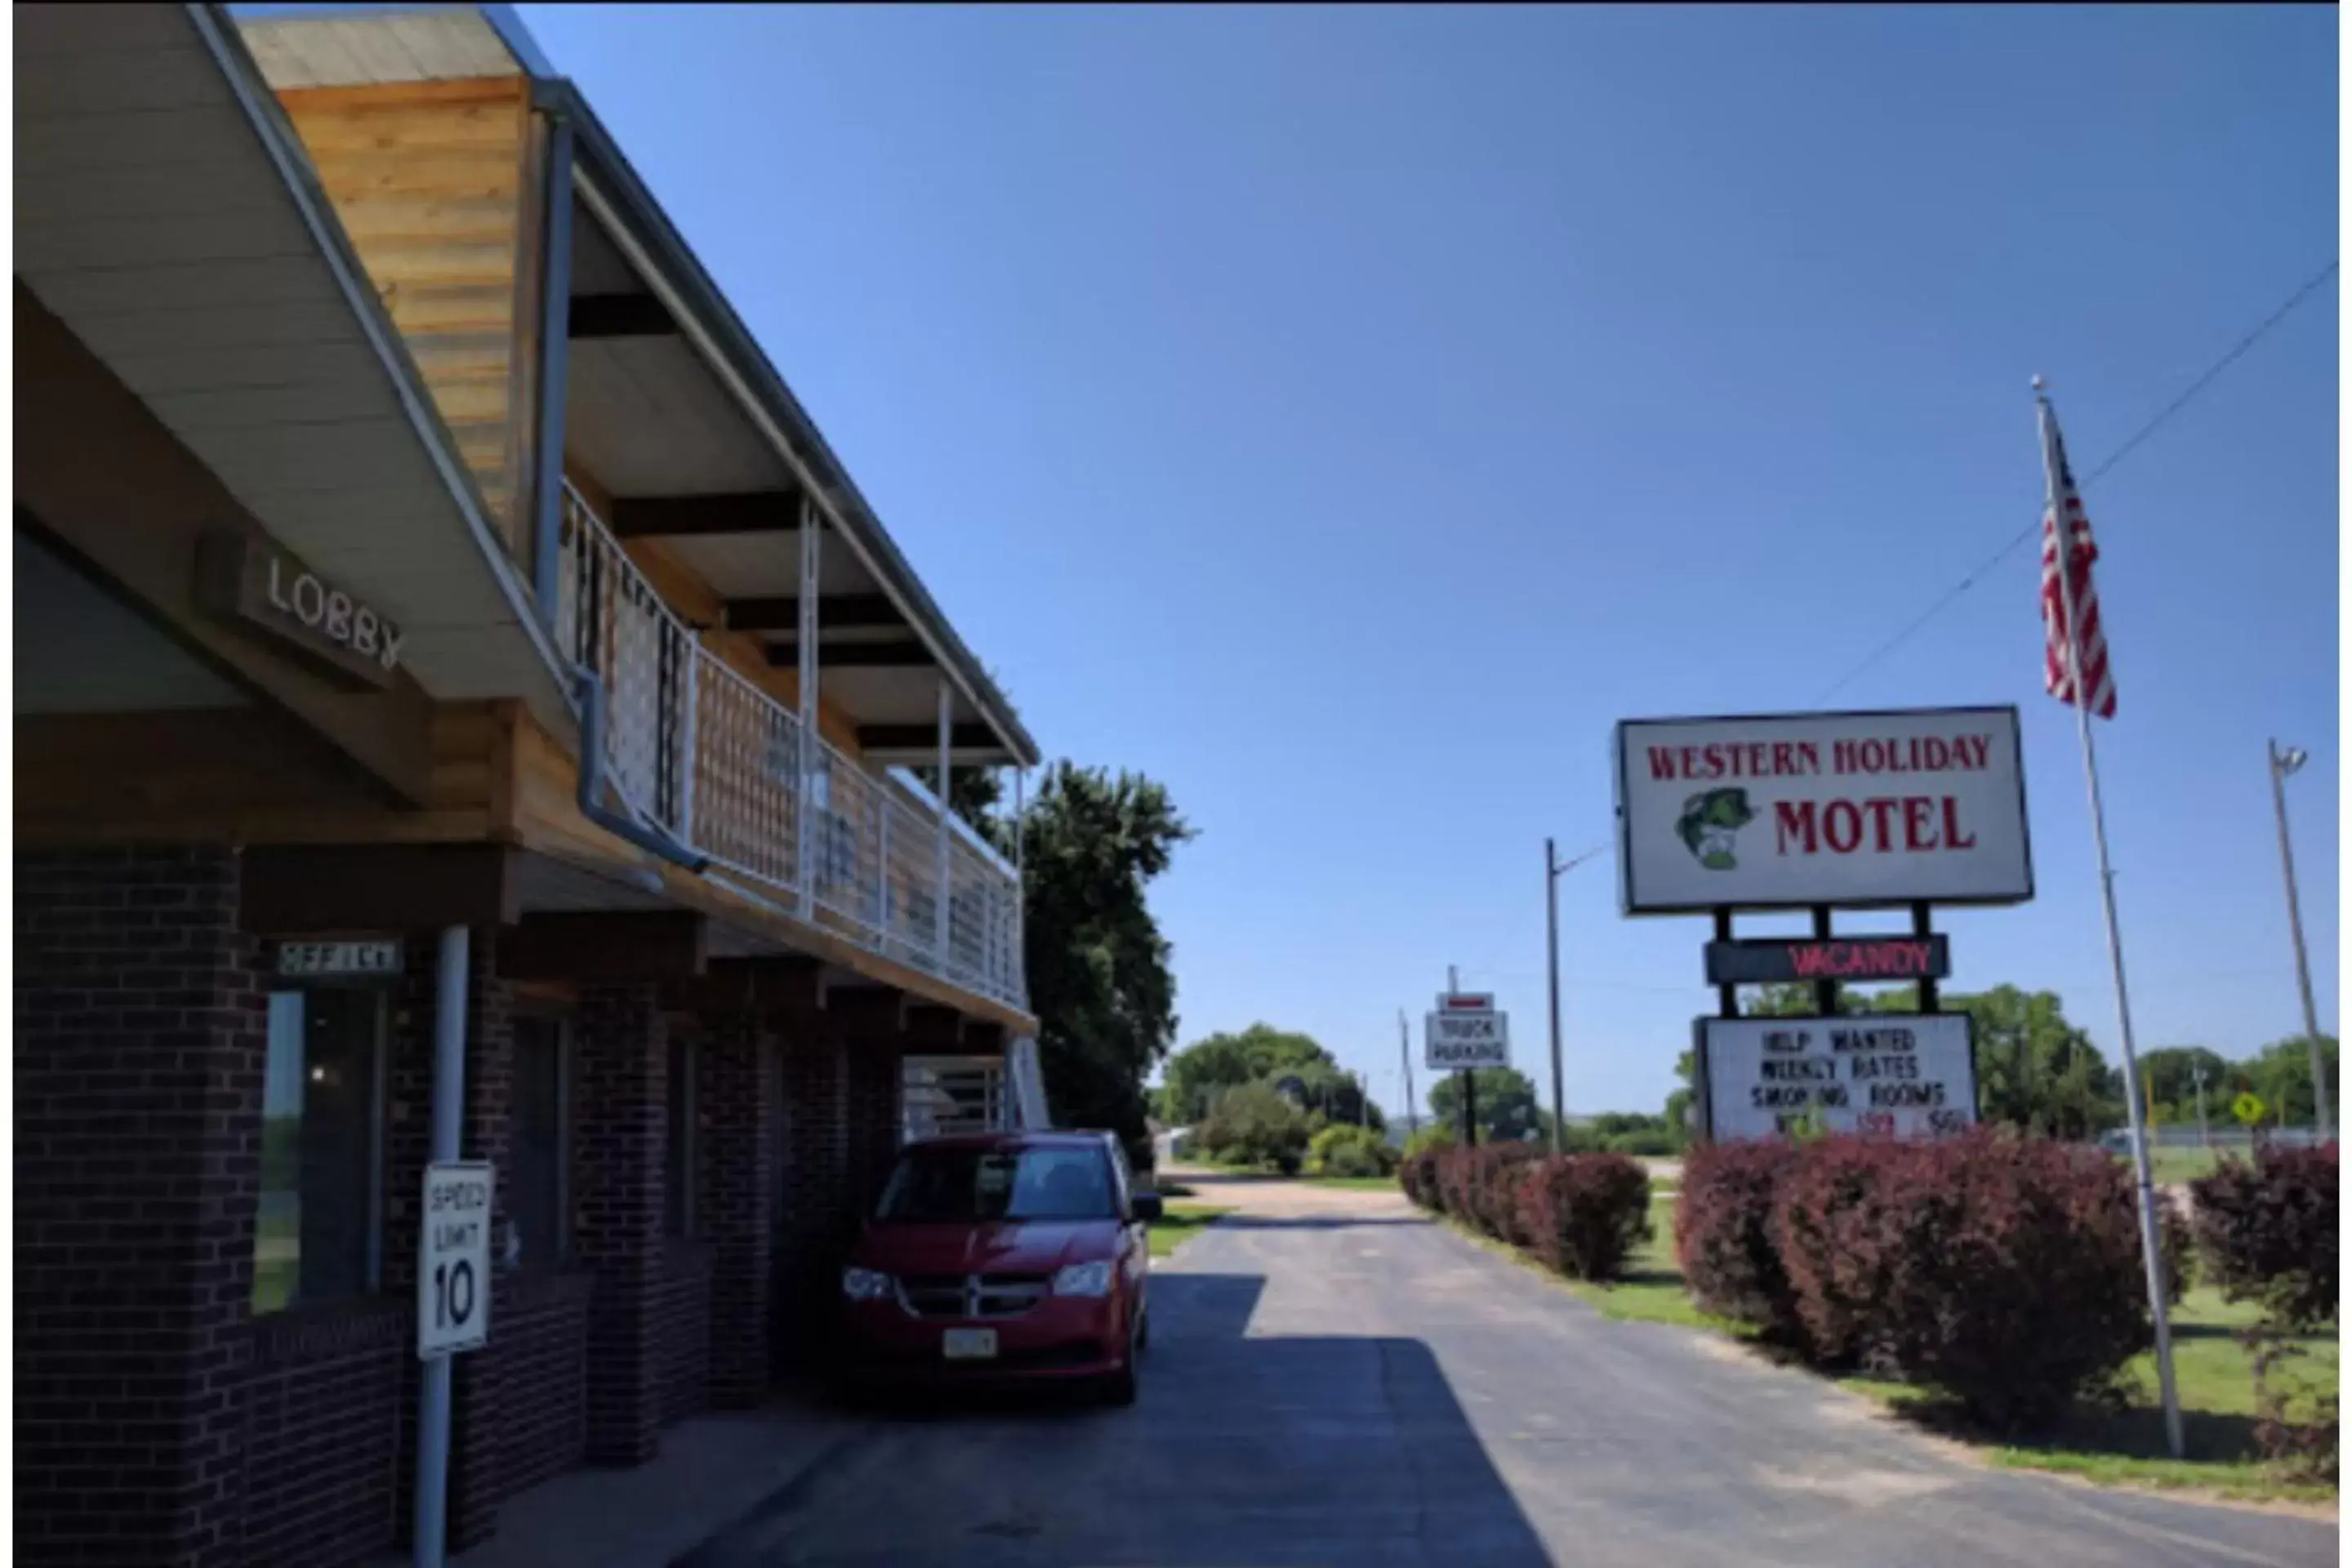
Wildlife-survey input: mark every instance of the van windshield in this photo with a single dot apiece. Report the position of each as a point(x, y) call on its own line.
point(938, 1186)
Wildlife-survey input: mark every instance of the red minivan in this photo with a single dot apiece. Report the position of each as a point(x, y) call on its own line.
point(1003, 1255)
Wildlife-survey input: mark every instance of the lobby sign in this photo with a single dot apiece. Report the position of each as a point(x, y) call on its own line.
point(1896, 1075)
point(1797, 810)
point(255, 582)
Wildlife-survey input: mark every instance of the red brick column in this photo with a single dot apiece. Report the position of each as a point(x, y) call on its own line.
point(622, 1100)
point(738, 1192)
point(140, 1036)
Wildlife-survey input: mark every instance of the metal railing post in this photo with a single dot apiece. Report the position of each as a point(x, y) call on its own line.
point(803, 868)
point(946, 866)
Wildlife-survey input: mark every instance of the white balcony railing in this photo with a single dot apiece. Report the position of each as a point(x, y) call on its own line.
point(698, 751)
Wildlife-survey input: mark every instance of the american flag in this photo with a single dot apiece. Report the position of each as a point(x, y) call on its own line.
point(2056, 668)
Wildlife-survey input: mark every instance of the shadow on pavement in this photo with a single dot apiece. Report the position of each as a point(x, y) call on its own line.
point(1265, 1451)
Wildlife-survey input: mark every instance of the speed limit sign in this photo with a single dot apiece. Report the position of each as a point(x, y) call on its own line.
point(453, 1265)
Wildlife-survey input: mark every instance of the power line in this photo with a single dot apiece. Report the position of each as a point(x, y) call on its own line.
point(2212, 374)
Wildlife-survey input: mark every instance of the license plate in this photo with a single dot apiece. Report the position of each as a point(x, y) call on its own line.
point(968, 1344)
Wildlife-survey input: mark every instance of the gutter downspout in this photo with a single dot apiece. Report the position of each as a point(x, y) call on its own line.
point(554, 366)
point(591, 799)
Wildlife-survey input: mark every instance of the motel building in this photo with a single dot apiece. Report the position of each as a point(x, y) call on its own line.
point(442, 643)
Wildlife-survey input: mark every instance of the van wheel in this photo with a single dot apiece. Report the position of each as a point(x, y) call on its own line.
point(1118, 1387)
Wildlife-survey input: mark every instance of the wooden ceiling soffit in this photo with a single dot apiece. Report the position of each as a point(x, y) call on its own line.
point(834, 611)
point(305, 890)
point(616, 947)
point(670, 517)
point(620, 316)
point(855, 655)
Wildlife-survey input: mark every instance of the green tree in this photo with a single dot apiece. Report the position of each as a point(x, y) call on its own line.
point(2280, 1073)
point(1252, 1124)
point(1507, 1107)
point(1099, 981)
point(2034, 1070)
point(1223, 1060)
point(2169, 1075)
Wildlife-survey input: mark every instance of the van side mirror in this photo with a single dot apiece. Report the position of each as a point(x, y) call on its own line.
point(1145, 1206)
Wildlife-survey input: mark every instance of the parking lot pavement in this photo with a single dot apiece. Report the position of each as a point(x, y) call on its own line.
point(1343, 1382)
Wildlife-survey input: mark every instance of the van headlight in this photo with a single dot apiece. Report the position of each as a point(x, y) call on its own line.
point(1082, 1280)
point(865, 1284)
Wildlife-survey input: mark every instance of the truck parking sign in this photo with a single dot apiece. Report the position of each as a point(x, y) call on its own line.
point(1465, 1031)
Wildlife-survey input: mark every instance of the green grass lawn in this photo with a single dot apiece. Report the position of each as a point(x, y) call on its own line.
point(1356, 1183)
point(2213, 1371)
point(1179, 1223)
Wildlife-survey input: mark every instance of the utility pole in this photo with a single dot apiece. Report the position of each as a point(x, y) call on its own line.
point(1553, 869)
point(2283, 763)
point(2204, 1131)
point(1404, 1050)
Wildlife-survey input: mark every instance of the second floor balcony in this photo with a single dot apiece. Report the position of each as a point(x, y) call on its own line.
point(736, 779)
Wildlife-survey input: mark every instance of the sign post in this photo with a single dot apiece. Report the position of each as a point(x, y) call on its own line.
point(1462, 1034)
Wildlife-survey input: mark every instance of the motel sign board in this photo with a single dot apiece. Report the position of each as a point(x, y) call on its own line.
point(1791, 811)
point(1893, 1075)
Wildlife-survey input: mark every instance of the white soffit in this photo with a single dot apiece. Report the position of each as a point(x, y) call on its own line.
point(159, 224)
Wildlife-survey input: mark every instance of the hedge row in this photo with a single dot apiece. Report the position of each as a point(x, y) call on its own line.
point(2005, 1270)
point(1581, 1214)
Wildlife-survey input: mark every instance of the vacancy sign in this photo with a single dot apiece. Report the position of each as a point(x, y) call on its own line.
point(1464, 1032)
point(453, 1265)
point(1800, 809)
point(1893, 1075)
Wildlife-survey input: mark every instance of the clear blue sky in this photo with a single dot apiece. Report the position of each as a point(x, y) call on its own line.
point(1345, 415)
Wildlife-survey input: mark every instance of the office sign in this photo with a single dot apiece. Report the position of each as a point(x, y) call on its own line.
point(453, 1265)
point(1897, 1075)
point(1465, 1032)
point(253, 581)
point(1772, 961)
point(366, 958)
point(1793, 810)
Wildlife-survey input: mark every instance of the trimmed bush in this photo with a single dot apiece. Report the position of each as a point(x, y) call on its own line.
point(2266, 1232)
point(1584, 1214)
point(2004, 1270)
point(1350, 1151)
point(1417, 1174)
point(1494, 1192)
point(1723, 1236)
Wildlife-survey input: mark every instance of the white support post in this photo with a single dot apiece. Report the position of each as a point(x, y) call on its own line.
point(947, 864)
point(448, 1122)
point(805, 854)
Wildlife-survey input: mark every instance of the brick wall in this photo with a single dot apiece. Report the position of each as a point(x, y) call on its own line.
point(140, 1040)
point(623, 1090)
point(324, 1424)
point(681, 1333)
point(739, 1188)
point(813, 1159)
point(541, 1348)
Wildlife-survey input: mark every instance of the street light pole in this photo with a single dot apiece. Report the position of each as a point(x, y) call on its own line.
point(1554, 866)
point(2283, 763)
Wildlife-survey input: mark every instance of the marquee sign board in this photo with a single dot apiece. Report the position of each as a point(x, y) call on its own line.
point(1900, 1075)
point(1796, 810)
point(1774, 961)
point(1466, 1032)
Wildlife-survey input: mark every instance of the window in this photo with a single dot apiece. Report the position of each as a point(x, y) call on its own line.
point(935, 1185)
point(315, 1236)
point(539, 1178)
point(678, 1174)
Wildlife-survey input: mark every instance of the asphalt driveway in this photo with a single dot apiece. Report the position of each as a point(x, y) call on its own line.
point(1334, 1380)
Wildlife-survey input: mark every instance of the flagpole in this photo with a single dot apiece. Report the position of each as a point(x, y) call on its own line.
point(2150, 1232)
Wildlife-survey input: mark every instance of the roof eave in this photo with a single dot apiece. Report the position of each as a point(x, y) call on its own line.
point(683, 274)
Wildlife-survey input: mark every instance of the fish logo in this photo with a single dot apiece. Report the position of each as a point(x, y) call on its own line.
point(1710, 823)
